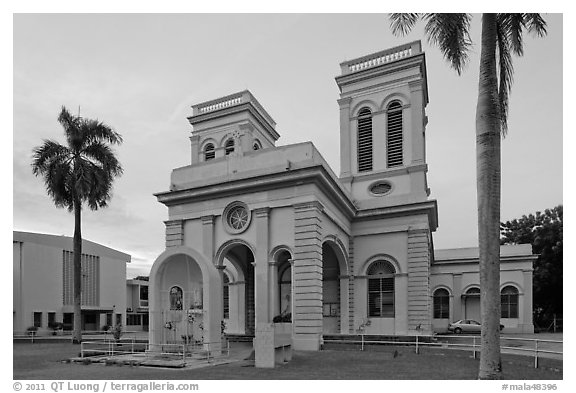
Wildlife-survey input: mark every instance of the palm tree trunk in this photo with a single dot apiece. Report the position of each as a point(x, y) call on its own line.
point(488, 189)
point(77, 335)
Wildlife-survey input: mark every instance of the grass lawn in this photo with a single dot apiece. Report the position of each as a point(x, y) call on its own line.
point(44, 361)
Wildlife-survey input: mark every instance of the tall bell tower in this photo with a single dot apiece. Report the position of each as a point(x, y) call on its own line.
point(382, 102)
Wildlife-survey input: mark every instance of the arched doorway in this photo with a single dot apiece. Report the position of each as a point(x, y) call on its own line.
point(184, 299)
point(334, 288)
point(472, 304)
point(239, 256)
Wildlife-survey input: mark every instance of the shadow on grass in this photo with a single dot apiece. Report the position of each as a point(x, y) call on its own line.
point(44, 361)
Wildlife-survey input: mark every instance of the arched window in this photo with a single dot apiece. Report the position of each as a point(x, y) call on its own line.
point(229, 146)
point(394, 137)
point(509, 302)
point(256, 145)
point(381, 289)
point(209, 152)
point(175, 298)
point(364, 140)
point(441, 304)
point(226, 296)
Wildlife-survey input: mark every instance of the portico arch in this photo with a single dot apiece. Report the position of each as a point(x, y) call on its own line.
point(185, 268)
point(334, 286)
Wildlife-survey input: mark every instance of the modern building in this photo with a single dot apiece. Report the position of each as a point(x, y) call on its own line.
point(137, 304)
point(256, 230)
point(43, 283)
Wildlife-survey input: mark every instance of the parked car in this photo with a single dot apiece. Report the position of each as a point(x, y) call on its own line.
point(466, 326)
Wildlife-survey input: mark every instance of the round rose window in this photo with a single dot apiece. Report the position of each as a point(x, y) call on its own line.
point(236, 217)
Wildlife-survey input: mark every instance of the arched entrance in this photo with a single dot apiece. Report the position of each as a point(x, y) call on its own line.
point(472, 304)
point(184, 296)
point(334, 287)
point(238, 255)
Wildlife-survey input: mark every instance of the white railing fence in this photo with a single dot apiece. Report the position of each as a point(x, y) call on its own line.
point(512, 345)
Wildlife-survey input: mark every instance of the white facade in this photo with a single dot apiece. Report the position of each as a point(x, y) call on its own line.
point(41, 287)
point(256, 231)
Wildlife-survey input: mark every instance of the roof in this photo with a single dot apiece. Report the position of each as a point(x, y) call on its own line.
point(67, 243)
point(472, 253)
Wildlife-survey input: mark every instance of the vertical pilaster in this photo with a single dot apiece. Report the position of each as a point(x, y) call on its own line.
point(307, 276)
point(195, 149)
point(526, 319)
point(415, 134)
point(174, 233)
point(345, 137)
point(351, 286)
point(419, 282)
point(208, 237)
point(457, 298)
point(261, 268)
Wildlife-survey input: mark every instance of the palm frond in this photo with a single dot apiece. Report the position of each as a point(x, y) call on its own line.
point(103, 156)
point(450, 32)
point(505, 72)
point(71, 125)
point(535, 24)
point(403, 23)
point(50, 151)
point(512, 26)
point(95, 130)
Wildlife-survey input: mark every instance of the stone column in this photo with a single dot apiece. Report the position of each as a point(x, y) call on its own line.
point(457, 297)
point(273, 292)
point(195, 149)
point(345, 137)
point(307, 276)
point(208, 237)
point(261, 267)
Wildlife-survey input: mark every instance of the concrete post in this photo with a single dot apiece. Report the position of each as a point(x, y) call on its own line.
point(195, 149)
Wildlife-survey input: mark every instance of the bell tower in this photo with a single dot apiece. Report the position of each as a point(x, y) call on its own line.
point(382, 102)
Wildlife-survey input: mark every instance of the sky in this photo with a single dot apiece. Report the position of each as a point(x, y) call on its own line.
point(141, 73)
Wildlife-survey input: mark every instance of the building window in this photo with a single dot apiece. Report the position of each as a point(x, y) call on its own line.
point(441, 304)
point(394, 135)
point(257, 145)
point(134, 319)
point(226, 290)
point(236, 217)
point(143, 295)
point(364, 140)
point(209, 152)
point(51, 319)
point(229, 146)
point(175, 298)
point(37, 319)
point(509, 302)
point(381, 289)
point(90, 276)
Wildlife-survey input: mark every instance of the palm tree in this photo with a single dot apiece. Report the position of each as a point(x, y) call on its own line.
point(80, 172)
point(501, 37)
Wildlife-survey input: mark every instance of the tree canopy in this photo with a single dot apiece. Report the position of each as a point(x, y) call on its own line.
point(544, 231)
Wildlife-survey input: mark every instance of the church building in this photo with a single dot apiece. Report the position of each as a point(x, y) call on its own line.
point(257, 231)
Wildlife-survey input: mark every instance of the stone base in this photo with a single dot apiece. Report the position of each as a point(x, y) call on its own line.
point(306, 342)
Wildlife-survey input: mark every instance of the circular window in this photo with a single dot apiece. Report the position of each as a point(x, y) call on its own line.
point(380, 188)
point(236, 217)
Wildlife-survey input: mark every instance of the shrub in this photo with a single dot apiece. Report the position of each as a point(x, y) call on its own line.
point(32, 330)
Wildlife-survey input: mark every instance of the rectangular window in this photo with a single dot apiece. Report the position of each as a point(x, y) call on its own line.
point(51, 319)
point(134, 319)
point(118, 319)
point(143, 295)
point(509, 304)
point(381, 297)
point(38, 319)
point(441, 307)
point(90, 279)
